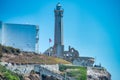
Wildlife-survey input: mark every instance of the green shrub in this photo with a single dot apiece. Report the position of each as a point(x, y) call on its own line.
point(7, 74)
point(77, 72)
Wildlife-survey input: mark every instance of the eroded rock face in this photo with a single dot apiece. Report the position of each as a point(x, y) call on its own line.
point(35, 76)
point(98, 73)
point(32, 77)
point(84, 61)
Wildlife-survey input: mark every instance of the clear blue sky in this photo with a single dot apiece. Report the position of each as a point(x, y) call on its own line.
point(90, 26)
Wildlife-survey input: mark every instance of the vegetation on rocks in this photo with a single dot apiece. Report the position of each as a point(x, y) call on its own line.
point(8, 49)
point(7, 74)
point(26, 58)
point(8, 54)
point(77, 72)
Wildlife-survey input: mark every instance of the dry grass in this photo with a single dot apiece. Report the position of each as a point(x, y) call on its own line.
point(33, 59)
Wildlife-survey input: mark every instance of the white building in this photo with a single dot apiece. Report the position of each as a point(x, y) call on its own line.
point(22, 36)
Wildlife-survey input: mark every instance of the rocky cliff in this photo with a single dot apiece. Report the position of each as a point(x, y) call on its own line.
point(93, 73)
point(98, 73)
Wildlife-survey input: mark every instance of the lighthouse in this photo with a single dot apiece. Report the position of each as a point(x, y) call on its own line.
point(58, 31)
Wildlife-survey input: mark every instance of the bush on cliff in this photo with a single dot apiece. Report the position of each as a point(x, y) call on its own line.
point(7, 74)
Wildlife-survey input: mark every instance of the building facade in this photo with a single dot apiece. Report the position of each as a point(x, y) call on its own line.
point(22, 36)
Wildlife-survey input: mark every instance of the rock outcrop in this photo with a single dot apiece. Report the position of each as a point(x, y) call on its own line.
point(32, 77)
point(98, 73)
